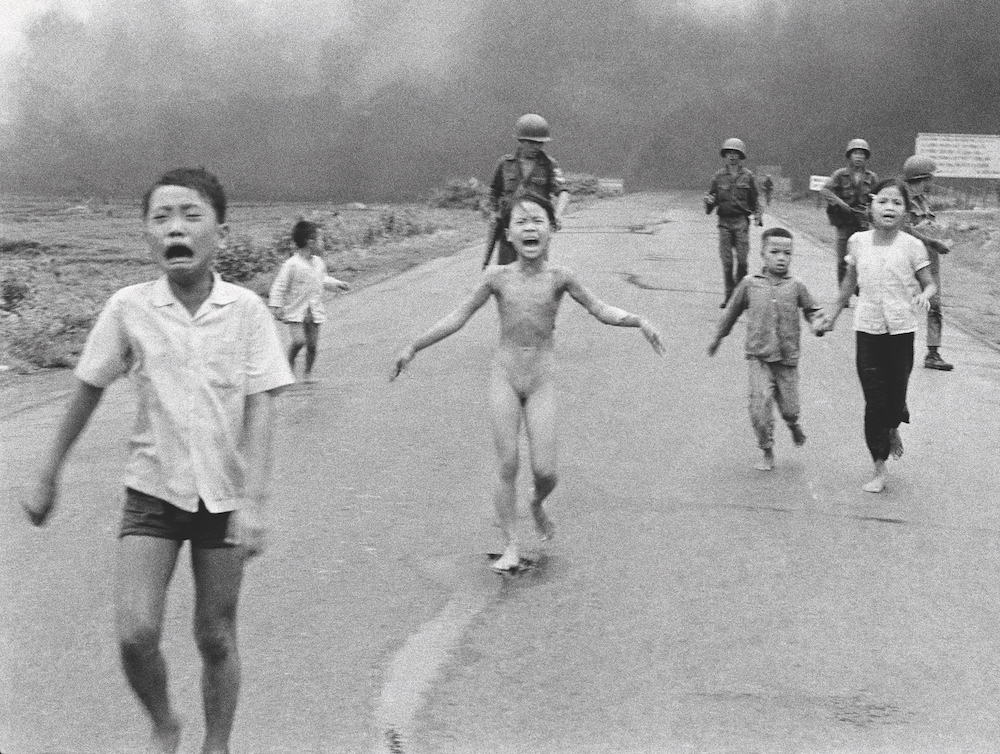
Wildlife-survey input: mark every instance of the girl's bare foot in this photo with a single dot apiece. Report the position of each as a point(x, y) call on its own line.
point(543, 525)
point(510, 559)
point(895, 444)
point(766, 463)
point(877, 483)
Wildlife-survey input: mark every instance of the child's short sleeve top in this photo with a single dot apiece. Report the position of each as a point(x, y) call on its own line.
point(887, 278)
point(192, 375)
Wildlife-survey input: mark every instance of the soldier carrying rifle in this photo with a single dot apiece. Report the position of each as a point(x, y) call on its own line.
point(529, 171)
point(848, 194)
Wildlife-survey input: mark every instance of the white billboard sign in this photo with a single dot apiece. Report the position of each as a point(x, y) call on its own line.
point(962, 155)
point(816, 182)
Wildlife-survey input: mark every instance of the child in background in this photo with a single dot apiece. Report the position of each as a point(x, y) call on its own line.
point(297, 293)
point(893, 271)
point(772, 299)
point(528, 293)
point(206, 361)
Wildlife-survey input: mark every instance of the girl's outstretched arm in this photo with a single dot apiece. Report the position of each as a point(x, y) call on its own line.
point(612, 315)
point(447, 325)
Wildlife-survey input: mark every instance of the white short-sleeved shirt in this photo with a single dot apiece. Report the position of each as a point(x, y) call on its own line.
point(192, 376)
point(887, 278)
point(298, 289)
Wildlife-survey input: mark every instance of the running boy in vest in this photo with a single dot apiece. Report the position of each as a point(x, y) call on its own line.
point(772, 298)
point(522, 385)
point(297, 293)
point(207, 362)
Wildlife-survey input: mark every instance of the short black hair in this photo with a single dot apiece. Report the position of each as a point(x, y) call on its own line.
point(541, 201)
point(898, 183)
point(303, 232)
point(198, 179)
point(775, 232)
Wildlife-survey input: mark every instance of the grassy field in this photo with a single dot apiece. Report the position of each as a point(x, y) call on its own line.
point(61, 261)
point(970, 274)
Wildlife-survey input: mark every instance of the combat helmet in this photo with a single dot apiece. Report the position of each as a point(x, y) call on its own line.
point(735, 145)
point(532, 127)
point(917, 166)
point(858, 144)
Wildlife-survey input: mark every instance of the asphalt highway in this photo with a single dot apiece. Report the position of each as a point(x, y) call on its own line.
point(688, 603)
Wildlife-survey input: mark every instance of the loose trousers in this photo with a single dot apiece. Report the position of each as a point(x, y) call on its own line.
point(884, 363)
point(772, 382)
point(734, 238)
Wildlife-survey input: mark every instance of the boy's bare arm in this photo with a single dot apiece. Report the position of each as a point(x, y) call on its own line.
point(612, 315)
point(81, 407)
point(250, 526)
point(447, 325)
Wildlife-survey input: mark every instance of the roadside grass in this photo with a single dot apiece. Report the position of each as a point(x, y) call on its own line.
point(60, 260)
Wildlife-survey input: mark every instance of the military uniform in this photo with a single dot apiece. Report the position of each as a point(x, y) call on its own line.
point(735, 199)
point(857, 195)
point(543, 179)
point(921, 219)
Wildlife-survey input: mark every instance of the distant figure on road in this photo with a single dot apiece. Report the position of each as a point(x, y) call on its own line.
point(531, 170)
point(893, 271)
point(767, 185)
point(772, 299)
point(206, 361)
point(847, 194)
point(522, 386)
point(733, 195)
point(296, 296)
point(918, 172)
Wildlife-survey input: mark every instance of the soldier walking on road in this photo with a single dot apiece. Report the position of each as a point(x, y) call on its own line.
point(529, 170)
point(767, 185)
point(848, 194)
point(918, 172)
point(733, 195)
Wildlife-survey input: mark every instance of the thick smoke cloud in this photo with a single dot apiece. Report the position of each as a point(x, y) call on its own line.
point(374, 99)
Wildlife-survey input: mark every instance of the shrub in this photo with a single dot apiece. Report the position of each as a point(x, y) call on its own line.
point(240, 261)
point(13, 291)
point(462, 194)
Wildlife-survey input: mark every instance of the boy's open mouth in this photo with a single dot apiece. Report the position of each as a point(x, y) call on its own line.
point(178, 251)
point(530, 243)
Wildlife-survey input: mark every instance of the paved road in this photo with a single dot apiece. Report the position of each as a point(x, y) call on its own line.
point(689, 604)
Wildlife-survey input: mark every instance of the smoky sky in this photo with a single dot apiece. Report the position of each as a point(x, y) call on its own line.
point(386, 99)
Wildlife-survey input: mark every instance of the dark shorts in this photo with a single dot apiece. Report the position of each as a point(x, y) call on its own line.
point(148, 516)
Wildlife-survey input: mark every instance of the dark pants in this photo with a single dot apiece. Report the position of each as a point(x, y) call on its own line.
point(734, 239)
point(884, 364)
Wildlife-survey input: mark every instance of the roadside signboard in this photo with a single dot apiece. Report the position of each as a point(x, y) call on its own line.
point(816, 182)
point(962, 155)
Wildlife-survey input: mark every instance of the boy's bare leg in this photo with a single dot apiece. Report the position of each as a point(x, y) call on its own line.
point(311, 330)
point(297, 330)
point(506, 409)
point(143, 569)
point(877, 483)
point(540, 422)
point(218, 574)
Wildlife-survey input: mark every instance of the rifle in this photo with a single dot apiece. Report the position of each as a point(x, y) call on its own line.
point(494, 236)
